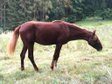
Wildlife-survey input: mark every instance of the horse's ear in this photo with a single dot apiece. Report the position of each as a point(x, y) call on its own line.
point(94, 32)
point(94, 36)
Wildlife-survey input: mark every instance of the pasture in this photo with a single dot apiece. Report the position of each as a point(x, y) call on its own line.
point(78, 63)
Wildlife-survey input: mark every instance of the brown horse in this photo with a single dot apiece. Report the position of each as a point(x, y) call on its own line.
point(47, 33)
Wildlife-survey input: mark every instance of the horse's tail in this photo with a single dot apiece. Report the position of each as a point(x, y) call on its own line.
point(12, 42)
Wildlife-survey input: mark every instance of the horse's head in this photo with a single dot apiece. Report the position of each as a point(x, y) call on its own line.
point(95, 42)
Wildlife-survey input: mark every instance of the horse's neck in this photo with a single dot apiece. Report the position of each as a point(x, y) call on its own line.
point(78, 33)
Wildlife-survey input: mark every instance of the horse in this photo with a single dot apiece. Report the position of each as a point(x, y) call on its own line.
point(48, 33)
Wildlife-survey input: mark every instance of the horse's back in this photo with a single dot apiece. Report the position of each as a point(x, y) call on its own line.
point(43, 32)
point(48, 32)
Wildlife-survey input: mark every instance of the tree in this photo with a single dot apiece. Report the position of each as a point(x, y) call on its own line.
point(19, 11)
point(15, 12)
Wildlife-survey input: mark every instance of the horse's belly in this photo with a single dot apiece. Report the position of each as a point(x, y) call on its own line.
point(46, 40)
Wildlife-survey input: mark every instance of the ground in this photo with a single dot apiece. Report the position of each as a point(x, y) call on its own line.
point(78, 63)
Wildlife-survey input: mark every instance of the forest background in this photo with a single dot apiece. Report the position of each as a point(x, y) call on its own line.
point(16, 12)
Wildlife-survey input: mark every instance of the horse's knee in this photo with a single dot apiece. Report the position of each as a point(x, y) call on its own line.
point(30, 57)
point(23, 52)
point(22, 56)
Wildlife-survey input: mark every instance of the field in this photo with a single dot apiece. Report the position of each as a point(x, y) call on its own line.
point(78, 63)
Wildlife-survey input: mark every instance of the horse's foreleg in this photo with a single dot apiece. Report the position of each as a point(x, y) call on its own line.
point(22, 56)
point(56, 56)
point(31, 57)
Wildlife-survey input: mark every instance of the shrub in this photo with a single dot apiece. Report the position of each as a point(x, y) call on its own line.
point(106, 14)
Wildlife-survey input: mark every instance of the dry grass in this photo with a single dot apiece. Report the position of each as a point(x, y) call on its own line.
point(78, 63)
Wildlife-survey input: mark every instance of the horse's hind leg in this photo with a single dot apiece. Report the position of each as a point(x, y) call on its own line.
point(22, 55)
point(30, 55)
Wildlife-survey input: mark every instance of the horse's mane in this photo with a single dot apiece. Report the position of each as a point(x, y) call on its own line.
point(73, 26)
point(76, 27)
point(70, 25)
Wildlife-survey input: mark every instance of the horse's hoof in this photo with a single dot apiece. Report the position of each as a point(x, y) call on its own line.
point(36, 69)
point(52, 68)
point(22, 69)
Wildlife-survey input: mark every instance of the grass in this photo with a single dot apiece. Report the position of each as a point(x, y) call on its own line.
point(78, 63)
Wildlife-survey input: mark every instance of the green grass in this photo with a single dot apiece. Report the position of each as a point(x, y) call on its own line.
point(78, 63)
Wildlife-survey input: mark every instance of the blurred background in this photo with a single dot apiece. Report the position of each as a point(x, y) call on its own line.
point(15, 12)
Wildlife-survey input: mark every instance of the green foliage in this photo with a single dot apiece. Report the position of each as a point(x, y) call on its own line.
point(57, 11)
point(106, 14)
point(15, 12)
point(71, 18)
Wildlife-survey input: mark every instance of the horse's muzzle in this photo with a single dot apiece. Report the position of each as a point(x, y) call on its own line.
point(100, 48)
